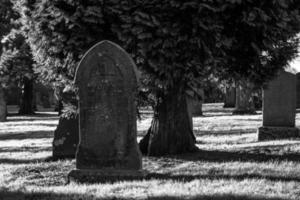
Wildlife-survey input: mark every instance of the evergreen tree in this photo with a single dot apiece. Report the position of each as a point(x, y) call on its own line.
point(16, 63)
point(174, 43)
point(7, 16)
point(16, 67)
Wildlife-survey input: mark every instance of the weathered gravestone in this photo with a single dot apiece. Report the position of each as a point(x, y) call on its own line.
point(230, 97)
point(3, 110)
point(195, 104)
point(108, 150)
point(298, 90)
point(279, 105)
point(244, 101)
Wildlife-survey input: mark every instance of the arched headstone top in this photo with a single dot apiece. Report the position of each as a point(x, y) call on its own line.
point(100, 58)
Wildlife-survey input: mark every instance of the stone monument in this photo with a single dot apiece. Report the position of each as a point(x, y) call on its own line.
point(244, 101)
point(195, 104)
point(279, 108)
point(107, 83)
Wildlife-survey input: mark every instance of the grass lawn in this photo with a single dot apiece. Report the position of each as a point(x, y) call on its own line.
point(231, 164)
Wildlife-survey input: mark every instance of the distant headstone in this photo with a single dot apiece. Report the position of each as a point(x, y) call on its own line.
point(107, 83)
point(66, 137)
point(244, 101)
point(195, 104)
point(230, 96)
point(3, 109)
point(279, 108)
point(257, 99)
point(298, 90)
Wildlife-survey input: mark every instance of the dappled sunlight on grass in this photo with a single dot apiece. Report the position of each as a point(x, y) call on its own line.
point(26, 142)
point(43, 173)
point(230, 165)
point(227, 123)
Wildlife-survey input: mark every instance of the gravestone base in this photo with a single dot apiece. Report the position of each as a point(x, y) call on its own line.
point(102, 176)
point(273, 133)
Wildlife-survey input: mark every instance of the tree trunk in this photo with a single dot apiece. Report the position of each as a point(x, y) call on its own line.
point(34, 100)
point(171, 130)
point(244, 100)
point(26, 104)
point(230, 97)
point(59, 107)
point(3, 108)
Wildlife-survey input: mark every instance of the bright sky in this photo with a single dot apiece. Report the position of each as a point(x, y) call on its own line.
point(296, 63)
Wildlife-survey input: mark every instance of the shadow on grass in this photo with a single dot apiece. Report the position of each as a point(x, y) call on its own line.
point(215, 176)
point(26, 135)
point(20, 161)
point(225, 133)
point(30, 124)
point(8, 195)
point(252, 120)
point(281, 149)
point(224, 156)
point(39, 116)
point(218, 110)
point(224, 113)
point(214, 114)
point(25, 149)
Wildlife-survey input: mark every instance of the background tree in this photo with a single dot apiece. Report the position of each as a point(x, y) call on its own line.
point(16, 64)
point(7, 16)
point(173, 42)
point(16, 61)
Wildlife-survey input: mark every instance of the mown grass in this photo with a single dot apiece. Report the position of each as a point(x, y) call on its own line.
point(231, 164)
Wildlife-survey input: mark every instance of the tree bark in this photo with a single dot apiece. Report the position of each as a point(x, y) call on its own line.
point(34, 100)
point(244, 100)
point(26, 104)
point(230, 97)
point(171, 130)
point(59, 107)
point(3, 108)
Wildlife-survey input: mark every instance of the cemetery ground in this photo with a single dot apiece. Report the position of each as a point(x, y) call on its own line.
point(231, 163)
